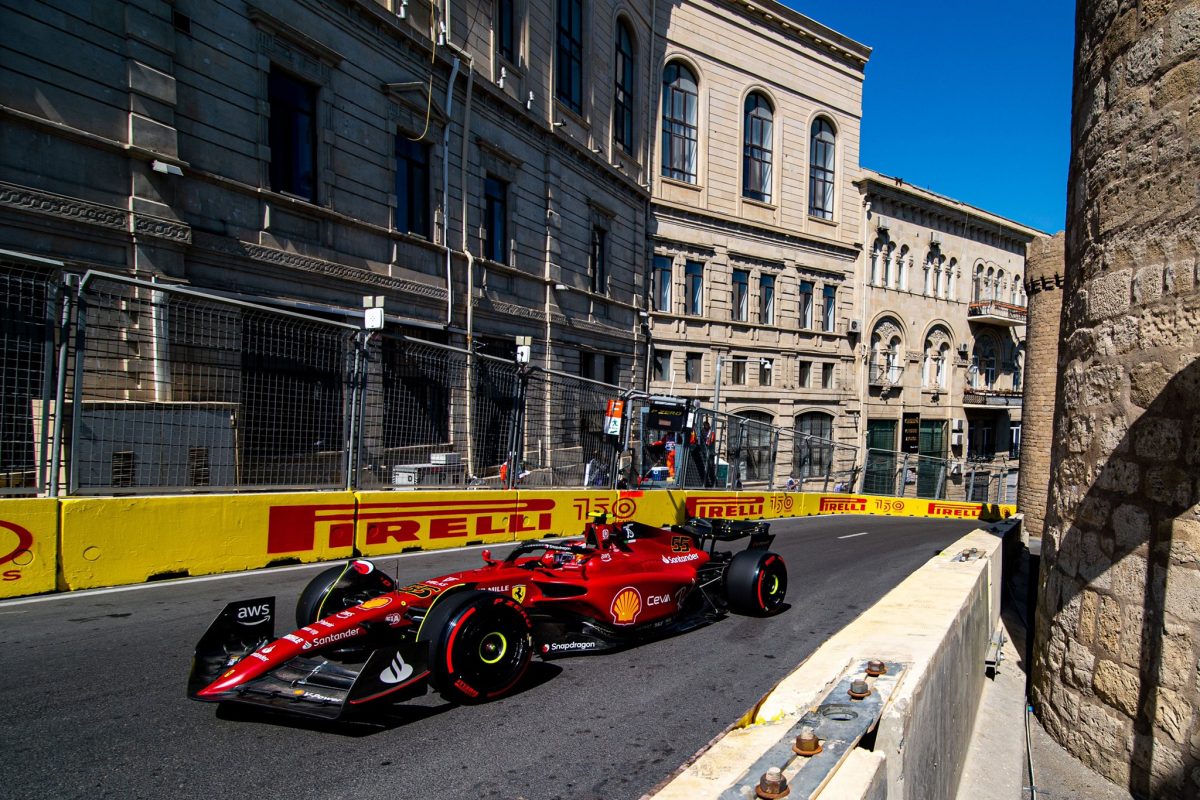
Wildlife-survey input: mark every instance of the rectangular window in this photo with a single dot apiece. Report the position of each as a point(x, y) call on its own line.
point(806, 304)
point(827, 376)
point(412, 186)
point(693, 366)
point(662, 365)
point(623, 91)
point(292, 135)
point(199, 472)
point(599, 261)
point(495, 220)
point(587, 365)
point(738, 372)
point(695, 288)
point(568, 84)
point(1014, 440)
point(124, 468)
point(741, 295)
point(766, 368)
point(830, 308)
point(504, 31)
point(805, 374)
point(662, 283)
point(766, 299)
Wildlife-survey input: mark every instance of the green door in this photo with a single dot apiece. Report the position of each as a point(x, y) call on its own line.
point(931, 475)
point(880, 469)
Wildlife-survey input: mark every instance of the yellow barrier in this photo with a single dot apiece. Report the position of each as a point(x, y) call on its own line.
point(28, 546)
point(114, 541)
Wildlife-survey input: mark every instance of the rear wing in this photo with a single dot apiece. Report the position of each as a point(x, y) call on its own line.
point(709, 530)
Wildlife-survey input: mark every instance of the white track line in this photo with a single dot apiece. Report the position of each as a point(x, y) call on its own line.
point(852, 535)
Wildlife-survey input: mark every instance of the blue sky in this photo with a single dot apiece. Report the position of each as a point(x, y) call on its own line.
point(969, 99)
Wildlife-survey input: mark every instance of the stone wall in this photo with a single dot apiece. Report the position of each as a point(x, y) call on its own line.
point(1043, 284)
point(1115, 672)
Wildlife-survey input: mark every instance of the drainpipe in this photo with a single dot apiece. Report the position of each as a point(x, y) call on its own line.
point(446, 188)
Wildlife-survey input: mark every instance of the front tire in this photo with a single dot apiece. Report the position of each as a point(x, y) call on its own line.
point(339, 588)
point(756, 583)
point(480, 646)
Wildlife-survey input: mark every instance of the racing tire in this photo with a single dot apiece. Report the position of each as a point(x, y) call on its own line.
point(480, 645)
point(339, 588)
point(756, 583)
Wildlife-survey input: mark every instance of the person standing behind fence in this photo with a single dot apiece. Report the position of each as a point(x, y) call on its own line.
point(702, 453)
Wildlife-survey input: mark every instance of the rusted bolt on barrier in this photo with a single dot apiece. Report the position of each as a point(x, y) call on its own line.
point(875, 668)
point(772, 785)
point(859, 688)
point(807, 743)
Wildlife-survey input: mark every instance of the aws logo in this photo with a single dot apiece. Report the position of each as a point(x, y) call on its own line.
point(254, 614)
point(626, 606)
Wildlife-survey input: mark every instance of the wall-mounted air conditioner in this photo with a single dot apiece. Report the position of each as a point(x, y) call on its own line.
point(956, 439)
point(855, 326)
point(962, 350)
point(957, 425)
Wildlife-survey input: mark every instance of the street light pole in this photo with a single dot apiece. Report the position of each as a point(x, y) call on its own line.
point(717, 385)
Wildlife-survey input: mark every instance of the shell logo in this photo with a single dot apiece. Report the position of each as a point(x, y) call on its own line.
point(378, 602)
point(626, 606)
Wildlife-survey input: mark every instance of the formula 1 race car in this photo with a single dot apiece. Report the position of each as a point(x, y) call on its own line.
point(471, 634)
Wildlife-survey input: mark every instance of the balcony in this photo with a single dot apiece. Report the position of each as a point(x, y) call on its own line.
point(993, 312)
point(880, 374)
point(979, 397)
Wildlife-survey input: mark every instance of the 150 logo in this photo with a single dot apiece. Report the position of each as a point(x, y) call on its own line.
point(15, 547)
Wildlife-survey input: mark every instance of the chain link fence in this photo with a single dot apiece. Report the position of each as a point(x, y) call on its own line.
point(166, 388)
point(30, 315)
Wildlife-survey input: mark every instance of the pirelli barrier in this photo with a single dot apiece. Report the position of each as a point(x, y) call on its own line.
point(28, 546)
point(82, 543)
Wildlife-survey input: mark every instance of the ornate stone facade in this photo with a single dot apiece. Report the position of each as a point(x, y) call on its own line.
point(1116, 671)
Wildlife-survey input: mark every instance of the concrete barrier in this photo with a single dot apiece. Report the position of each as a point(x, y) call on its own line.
point(28, 546)
point(939, 621)
point(81, 543)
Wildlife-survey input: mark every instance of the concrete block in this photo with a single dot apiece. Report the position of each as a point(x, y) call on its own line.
point(151, 82)
point(150, 135)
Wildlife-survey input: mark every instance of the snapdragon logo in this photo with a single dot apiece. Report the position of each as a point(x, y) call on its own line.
point(559, 647)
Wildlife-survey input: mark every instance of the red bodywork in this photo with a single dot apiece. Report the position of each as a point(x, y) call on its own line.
point(623, 578)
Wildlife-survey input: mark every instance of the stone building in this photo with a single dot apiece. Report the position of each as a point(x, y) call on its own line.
point(754, 219)
point(308, 154)
point(1116, 663)
point(588, 175)
point(940, 338)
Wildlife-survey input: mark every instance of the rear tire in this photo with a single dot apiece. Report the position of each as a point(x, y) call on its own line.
point(479, 645)
point(756, 583)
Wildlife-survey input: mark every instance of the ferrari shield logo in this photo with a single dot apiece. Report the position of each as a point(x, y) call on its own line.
point(518, 593)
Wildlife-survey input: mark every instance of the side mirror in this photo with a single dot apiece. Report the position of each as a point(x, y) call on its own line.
point(487, 557)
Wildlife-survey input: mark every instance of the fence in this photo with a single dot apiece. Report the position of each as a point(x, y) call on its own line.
point(166, 388)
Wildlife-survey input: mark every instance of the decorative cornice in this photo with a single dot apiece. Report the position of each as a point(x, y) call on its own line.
point(750, 230)
point(33, 201)
point(161, 228)
point(316, 266)
point(510, 309)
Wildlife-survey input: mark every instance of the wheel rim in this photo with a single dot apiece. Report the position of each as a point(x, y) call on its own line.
point(772, 587)
point(492, 647)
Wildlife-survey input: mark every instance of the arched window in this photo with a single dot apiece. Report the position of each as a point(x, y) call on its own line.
point(977, 284)
point(756, 149)
point(821, 154)
point(895, 364)
point(902, 265)
point(951, 269)
point(983, 364)
point(623, 93)
point(680, 135)
point(1016, 291)
point(886, 365)
point(751, 440)
point(812, 450)
point(1000, 288)
point(936, 355)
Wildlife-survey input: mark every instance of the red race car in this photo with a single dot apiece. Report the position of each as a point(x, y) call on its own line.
point(472, 634)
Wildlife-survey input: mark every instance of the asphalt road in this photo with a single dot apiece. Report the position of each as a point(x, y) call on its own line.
point(93, 700)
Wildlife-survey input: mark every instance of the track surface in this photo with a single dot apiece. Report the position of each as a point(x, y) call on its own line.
point(93, 691)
